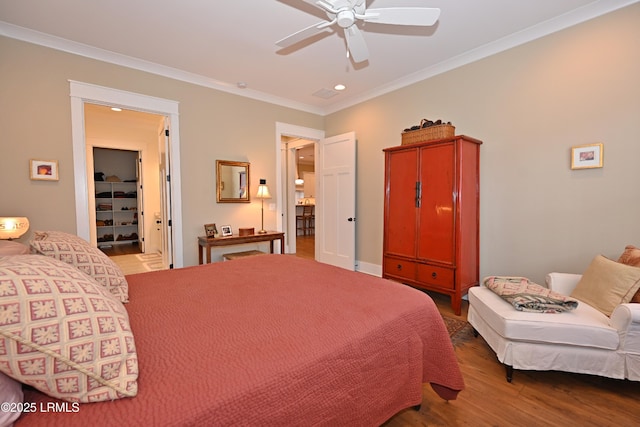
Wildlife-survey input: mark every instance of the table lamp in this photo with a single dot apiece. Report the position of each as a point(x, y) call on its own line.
point(263, 193)
point(13, 227)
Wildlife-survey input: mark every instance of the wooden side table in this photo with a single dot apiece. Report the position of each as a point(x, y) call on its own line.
point(205, 244)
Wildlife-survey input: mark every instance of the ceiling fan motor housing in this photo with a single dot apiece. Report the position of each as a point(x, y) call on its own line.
point(345, 18)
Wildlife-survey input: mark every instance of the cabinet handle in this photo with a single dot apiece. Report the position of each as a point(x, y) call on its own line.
point(418, 193)
point(399, 266)
point(434, 275)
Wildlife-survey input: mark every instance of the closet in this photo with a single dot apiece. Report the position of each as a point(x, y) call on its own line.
point(117, 197)
point(431, 216)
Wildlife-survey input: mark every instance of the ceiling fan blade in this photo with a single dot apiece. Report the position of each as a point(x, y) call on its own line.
point(322, 4)
point(356, 44)
point(332, 6)
point(303, 34)
point(423, 16)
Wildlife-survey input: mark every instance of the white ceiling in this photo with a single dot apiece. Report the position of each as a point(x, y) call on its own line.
point(220, 43)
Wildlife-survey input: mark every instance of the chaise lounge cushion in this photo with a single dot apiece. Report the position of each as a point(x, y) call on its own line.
point(606, 284)
point(585, 326)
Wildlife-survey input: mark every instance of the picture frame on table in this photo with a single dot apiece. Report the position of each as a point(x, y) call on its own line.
point(43, 170)
point(211, 231)
point(226, 230)
point(587, 156)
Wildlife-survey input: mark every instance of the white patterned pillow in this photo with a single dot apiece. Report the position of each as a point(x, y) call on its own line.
point(77, 252)
point(63, 333)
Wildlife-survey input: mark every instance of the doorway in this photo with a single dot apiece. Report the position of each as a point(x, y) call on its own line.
point(304, 197)
point(335, 183)
point(82, 94)
point(298, 187)
point(123, 165)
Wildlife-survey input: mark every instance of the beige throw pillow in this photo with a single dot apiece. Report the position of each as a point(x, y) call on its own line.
point(606, 284)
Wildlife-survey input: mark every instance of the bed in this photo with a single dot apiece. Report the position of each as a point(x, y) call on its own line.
point(271, 340)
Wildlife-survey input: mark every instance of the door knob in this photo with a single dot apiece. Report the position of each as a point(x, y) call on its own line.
point(351, 219)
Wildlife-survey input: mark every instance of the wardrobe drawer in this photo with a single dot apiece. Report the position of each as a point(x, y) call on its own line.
point(400, 268)
point(440, 277)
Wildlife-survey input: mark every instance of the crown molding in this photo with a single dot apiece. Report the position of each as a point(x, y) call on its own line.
point(577, 16)
point(570, 19)
point(64, 45)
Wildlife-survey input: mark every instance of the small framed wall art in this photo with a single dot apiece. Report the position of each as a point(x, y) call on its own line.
point(587, 156)
point(43, 170)
point(226, 230)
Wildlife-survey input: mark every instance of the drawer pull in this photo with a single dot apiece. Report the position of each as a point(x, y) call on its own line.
point(434, 275)
point(399, 266)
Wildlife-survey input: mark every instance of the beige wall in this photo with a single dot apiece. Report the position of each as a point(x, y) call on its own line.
point(36, 121)
point(529, 105)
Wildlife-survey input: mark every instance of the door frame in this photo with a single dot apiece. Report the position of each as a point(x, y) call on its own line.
point(287, 199)
point(81, 93)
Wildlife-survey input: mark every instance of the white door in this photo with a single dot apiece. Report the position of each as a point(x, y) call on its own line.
point(336, 201)
point(165, 197)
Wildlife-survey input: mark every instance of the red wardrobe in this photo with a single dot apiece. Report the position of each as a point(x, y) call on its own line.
point(431, 215)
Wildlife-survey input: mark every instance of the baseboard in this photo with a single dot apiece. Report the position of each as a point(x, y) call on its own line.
point(368, 268)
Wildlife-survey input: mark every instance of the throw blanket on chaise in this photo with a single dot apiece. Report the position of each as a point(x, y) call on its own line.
point(525, 295)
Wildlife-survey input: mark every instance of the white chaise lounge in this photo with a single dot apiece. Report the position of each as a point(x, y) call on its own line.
point(584, 340)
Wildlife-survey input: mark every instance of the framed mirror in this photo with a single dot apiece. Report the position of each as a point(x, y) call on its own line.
point(232, 184)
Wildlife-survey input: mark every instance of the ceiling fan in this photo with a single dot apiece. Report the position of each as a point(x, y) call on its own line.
point(346, 13)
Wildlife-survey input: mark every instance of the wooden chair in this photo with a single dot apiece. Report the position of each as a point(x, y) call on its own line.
point(306, 221)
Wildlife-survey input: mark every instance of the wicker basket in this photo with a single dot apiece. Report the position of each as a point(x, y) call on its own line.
point(428, 134)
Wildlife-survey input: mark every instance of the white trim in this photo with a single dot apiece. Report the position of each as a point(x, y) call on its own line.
point(569, 19)
point(574, 17)
point(85, 92)
point(69, 46)
point(368, 268)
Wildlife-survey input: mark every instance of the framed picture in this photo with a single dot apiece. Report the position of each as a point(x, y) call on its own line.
point(226, 230)
point(210, 230)
point(587, 156)
point(44, 170)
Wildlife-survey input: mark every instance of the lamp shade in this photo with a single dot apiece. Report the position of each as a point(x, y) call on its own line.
point(263, 190)
point(13, 227)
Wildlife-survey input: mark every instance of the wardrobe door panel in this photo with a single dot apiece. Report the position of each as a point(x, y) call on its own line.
point(437, 213)
point(400, 206)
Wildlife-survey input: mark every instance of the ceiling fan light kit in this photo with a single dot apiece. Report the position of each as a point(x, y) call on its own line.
point(346, 13)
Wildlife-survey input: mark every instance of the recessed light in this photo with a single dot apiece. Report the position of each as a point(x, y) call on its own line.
point(116, 109)
point(339, 87)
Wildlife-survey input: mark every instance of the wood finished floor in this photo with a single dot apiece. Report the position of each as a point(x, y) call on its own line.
point(305, 247)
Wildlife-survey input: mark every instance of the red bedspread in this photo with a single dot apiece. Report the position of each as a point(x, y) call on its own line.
point(273, 340)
